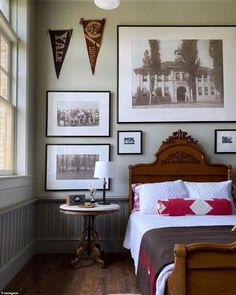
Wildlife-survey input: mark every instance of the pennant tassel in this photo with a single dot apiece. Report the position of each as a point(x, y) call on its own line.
point(93, 31)
point(60, 41)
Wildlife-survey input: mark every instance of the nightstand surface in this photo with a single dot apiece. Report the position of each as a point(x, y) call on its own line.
point(97, 208)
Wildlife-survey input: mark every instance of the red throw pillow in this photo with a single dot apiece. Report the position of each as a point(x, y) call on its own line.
point(179, 207)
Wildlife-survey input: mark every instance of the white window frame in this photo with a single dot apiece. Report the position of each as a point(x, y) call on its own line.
point(10, 36)
point(12, 152)
point(5, 7)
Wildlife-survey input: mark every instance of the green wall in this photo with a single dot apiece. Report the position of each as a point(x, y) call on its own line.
point(76, 75)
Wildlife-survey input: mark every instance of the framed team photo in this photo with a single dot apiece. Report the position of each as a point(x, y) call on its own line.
point(78, 113)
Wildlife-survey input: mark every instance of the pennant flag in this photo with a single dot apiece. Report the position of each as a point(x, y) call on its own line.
point(60, 41)
point(93, 30)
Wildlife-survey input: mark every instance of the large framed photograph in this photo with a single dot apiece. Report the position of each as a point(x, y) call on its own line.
point(225, 141)
point(78, 113)
point(129, 142)
point(176, 74)
point(70, 167)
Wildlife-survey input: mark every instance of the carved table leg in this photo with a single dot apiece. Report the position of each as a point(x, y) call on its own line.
point(82, 247)
point(88, 244)
point(96, 248)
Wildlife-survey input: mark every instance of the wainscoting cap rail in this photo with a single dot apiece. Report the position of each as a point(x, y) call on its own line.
point(17, 206)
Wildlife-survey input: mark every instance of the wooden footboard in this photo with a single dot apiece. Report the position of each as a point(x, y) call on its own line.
point(203, 269)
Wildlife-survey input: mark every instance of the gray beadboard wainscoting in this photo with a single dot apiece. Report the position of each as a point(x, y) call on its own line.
point(17, 238)
point(38, 226)
point(59, 233)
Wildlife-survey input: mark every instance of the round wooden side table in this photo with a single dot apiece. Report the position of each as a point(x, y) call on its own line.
point(89, 246)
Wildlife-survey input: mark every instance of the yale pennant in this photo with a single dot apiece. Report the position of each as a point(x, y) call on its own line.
point(60, 41)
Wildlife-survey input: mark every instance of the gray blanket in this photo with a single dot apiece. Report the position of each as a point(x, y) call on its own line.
point(156, 250)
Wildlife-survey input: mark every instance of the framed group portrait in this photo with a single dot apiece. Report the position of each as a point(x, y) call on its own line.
point(176, 73)
point(78, 113)
point(70, 167)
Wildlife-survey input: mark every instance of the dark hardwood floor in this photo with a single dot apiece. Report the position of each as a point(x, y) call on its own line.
point(52, 274)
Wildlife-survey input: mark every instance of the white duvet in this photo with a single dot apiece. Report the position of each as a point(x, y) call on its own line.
point(139, 223)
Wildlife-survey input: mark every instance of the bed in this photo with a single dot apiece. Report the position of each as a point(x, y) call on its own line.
point(201, 256)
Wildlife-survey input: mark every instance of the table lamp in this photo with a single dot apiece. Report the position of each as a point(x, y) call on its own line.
point(104, 169)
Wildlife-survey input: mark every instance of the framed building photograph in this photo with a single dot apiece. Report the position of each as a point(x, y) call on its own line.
point(70, 167)
point(176, 74)
point(78, 113)
point(129, 142)
point(225, 141)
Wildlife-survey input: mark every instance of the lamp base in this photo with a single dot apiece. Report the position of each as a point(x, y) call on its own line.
point(104, 203)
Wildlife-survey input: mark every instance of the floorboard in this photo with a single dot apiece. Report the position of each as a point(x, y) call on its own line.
point(52, 274)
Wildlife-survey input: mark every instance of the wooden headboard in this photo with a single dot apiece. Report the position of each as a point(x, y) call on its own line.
point(179, 157)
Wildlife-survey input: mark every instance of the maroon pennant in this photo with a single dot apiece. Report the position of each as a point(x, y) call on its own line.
point(93, 30)
point(60, 41)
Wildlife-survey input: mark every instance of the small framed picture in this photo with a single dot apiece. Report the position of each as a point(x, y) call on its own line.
point(225, 141)
point(73, 200)
point(129, 142)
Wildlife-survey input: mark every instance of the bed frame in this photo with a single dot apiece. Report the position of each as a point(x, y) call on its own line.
point(179, 157)
point(206, 269)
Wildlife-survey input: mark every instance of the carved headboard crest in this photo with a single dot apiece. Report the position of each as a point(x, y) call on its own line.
point(180, 158)
point(180, 135)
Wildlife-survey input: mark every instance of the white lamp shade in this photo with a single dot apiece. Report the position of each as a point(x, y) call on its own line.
point(104, 169)
point(107, 4)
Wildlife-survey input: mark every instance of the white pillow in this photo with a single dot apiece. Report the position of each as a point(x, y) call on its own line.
point(149, 193)
point(209, 190)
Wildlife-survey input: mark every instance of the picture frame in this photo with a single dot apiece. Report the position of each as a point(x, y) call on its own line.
point(78, 113)
point(70, 167)
point(225, 141)
point(155, 83)
point(129, 142)
point(76, 199)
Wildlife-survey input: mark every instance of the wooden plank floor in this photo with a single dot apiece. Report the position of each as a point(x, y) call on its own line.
point(52, 274)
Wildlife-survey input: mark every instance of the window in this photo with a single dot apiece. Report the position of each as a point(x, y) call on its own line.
point(159, 78)
point(4, 67)
point(177, 76)
point(199, 91)
point(6, 137)
point(184, 76)
point(159, 92)
point(166, 91)
point(144, 78)
point(7, 109)
point(212, 90)
point(205, 78)
point(206, 90)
